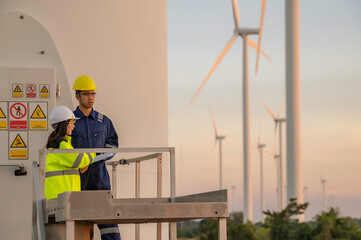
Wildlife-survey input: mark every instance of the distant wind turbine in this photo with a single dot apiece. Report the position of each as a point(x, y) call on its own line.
point(278, 122)
point(242, 32)
point(260, 147)
point(279, 180)
point(324, 204)
point(218, 138)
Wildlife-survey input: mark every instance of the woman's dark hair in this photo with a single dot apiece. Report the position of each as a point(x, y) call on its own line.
point(59, 132)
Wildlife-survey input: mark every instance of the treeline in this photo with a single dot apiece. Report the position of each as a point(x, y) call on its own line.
point(281, 225)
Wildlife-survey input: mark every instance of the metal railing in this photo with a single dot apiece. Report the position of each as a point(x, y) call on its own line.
point(157, 153)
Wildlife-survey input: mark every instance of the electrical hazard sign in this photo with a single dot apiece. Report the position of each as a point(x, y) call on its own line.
point(18, 145)
point(31, 90)
point(44, 90)
point(38, 115)
point(18, 115)
point(17, 90)
point(3, 115)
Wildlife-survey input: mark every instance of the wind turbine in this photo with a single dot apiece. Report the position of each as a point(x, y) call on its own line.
point(278, 121)
point(324, 205)
point(293, 132)
point(218, 138)
point(242, 32)
point(279, 180)
point(260, 147)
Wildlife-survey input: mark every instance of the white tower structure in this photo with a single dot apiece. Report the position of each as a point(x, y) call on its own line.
point(293, 135)
point(51, 43)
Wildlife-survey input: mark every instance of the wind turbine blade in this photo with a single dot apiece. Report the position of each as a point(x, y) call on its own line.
point(254, 45)
point(280, 111)
point(235, 13)
point(260, 32)
point(219, 59)
point(214, 122)
point(269, 110)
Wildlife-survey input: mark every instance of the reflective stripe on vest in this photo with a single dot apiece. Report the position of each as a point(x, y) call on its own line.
point(109, 230)
point(61, 173)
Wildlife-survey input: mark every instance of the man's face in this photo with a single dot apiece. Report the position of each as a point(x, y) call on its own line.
point(86, 98)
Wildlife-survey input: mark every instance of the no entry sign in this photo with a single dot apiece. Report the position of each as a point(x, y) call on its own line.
point(30, 90)
point(18, 115)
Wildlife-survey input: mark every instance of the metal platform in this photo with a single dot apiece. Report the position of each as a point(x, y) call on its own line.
point(78, 211)
point(73, 214)
point(85, 206)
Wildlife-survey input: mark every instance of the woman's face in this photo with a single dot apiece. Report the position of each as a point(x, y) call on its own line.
point(70, 127)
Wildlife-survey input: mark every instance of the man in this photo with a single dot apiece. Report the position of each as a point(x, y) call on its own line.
point(93, 130)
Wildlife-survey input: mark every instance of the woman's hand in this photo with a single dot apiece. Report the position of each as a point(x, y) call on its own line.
point(83, 170)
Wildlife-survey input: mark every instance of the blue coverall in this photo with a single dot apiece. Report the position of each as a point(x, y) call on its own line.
point(96, 131)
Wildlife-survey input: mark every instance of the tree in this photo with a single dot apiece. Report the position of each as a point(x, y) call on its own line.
point(329, 225)
point(284, 226)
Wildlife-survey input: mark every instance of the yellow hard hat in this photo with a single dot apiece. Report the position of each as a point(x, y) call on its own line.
point(84, 83)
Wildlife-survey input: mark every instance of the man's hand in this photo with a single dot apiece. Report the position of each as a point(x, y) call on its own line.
point(83, 170)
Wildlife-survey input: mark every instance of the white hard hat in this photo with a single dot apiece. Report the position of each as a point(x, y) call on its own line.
point(60, 114)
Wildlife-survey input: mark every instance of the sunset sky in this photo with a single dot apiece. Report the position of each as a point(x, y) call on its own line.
point(330, 58)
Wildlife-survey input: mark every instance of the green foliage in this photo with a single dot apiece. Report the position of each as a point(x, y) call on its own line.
point(329, 225)
point(277, 226)
point(284, 226)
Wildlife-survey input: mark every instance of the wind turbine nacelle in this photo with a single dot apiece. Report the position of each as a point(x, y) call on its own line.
point(220, 137)
point(246, 31)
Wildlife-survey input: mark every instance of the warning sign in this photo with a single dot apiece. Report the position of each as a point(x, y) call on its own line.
point(3, 115)
point(31, 90)
point(18, 145)
point(18, 142)
point(39, 114)
point(17, 90)
point(18, 117)
point(44, 90)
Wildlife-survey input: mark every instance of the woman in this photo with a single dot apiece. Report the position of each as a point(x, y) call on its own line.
point(62, 169)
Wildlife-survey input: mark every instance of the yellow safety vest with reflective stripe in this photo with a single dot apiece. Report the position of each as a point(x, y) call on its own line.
point(62, 170)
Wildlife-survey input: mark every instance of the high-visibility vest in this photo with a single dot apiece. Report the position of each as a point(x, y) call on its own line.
point(62, 170)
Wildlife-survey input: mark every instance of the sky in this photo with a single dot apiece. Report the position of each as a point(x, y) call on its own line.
point(330, 87)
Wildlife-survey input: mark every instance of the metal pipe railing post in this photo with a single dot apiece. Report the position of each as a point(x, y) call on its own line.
point(172, 225)
point(159, 191)
point(114, 179)
point(137, 195)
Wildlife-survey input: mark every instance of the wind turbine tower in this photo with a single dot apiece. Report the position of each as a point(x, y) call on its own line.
point(293, 135)
point(324, 204)
point(278, 122)
point(260, 147)
point(218, 138)
point(243, 33)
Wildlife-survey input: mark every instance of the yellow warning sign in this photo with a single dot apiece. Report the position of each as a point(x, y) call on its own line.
point(38, 113)
point(17, 89)
point(2, 114)
point(44, 90)
point(18, 142)
point(3, 124)
point(18, 154)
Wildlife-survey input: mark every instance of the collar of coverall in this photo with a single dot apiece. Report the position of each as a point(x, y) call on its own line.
point(81, 114)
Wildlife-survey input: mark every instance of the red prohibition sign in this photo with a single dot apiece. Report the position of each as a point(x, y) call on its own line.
point(18, 111)
point(31, 88)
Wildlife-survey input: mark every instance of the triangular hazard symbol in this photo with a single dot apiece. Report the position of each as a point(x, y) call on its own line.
point(18, 142)
point(44, 90)
point(38, 113)
point(17, 89)
point(2, 115)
